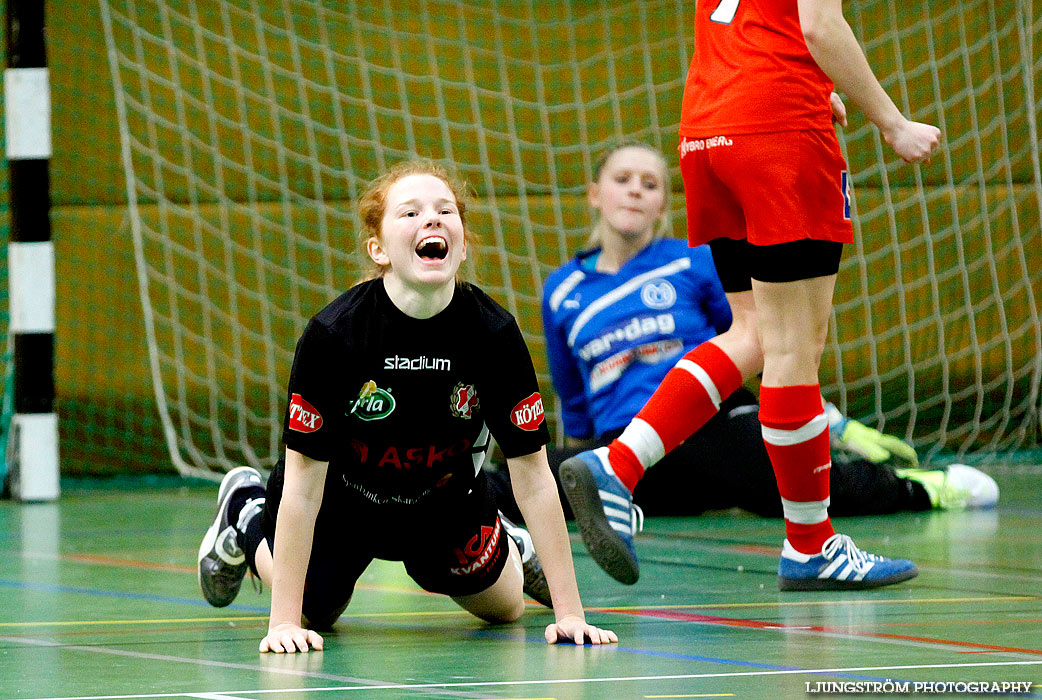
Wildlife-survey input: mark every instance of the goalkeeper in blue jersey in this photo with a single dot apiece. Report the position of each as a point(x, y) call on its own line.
point(621, 313)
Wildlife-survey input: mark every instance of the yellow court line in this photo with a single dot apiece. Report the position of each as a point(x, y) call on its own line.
point(806, 603)
point(701, 695)
point(462, 613)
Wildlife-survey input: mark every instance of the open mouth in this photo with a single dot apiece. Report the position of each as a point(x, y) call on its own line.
point(433, 248)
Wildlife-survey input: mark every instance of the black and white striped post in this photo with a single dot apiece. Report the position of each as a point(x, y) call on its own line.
point(33, 442)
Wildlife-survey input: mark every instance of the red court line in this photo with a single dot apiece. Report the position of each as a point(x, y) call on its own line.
point(755, 549)
point(132, 563)
point(695, 617)
point(951, 642)
point(180, 569)
point(941, 623)
point(759, 624)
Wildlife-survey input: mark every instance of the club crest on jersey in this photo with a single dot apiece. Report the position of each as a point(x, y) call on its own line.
point(373, 403)
point(658, 294)
point(303, 417)
point(464, 401)
point(528, 414)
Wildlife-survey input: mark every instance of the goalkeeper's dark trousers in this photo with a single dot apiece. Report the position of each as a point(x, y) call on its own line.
point(725, 465)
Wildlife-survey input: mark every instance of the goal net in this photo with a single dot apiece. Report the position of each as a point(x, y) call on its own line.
point(249, 128)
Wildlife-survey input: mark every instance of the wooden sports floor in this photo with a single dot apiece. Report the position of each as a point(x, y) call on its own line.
point(98, 599)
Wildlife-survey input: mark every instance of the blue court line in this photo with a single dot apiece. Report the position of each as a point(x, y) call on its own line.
point(51, 588)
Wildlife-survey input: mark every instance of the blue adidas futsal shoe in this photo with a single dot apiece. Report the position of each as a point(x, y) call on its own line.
point(841, 566)
point(222, 563)
point(604, 512)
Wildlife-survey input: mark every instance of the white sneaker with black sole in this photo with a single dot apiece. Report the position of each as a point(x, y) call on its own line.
point(222, 563)
point(535, 585)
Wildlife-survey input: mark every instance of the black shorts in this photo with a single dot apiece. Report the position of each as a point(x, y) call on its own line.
point(738, 262)
point(457, 547)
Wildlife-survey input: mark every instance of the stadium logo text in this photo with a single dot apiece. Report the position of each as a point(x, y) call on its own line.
point(421, 362)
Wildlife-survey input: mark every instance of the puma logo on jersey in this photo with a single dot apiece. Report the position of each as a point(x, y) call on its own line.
point(303, 417)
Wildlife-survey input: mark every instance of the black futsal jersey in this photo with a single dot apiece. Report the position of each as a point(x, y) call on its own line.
point(400, 407)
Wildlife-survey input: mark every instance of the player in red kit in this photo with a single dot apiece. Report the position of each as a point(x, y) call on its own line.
point(767, 187)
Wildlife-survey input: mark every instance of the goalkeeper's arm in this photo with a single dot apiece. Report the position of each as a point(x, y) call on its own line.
point(848, 434)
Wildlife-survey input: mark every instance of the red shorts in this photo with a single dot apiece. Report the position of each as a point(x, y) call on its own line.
point(768, 188)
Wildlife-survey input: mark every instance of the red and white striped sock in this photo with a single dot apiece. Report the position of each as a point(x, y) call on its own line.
point(796, 433)
point(686, 399)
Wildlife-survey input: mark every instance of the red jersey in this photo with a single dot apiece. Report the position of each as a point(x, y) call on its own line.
point(751, 72)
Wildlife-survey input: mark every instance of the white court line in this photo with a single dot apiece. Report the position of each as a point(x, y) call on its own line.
point(361, 682)
point(188, 660)
point(570, 681)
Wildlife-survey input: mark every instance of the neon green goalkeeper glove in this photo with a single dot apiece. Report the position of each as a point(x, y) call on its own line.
point(848, 434)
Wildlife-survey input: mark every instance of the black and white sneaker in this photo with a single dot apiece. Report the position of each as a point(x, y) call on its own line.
point(222, 563)
point(535, 585)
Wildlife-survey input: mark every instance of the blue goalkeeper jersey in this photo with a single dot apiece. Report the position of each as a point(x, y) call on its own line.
point(611, 338)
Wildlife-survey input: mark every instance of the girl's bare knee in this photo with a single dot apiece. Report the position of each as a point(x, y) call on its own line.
point(512, 615)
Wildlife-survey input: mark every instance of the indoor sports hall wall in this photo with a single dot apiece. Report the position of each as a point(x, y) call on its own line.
point(247, 130)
